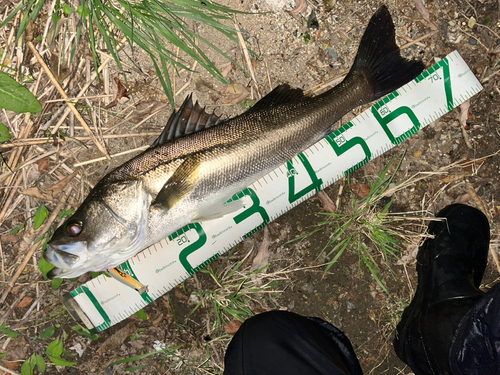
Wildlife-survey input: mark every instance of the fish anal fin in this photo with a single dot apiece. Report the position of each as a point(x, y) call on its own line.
point(180, 184)
point(190, 118)
point(218, 210)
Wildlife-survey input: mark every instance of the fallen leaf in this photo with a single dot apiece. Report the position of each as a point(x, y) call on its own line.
point(43, 164)
point(178, 293)
point(464, 114)
point(119, 91)
point(422, 9)
point(262, 258)
point(232, 327)
point(227, 68)
point(455, 177)
point(61, 184)
point(9, 238)
point(464, 199)
point(122, 90)
point(157, 320)
point(255, 63)
point(16, 289)
point(361, 191)
point(201, 85)
point(471, 23)
point(26, 301)
point(78, 348)
point(300, 7)
point(137, 344)
point(326, 203)
point(12, 365)
point(114, 341)
point(234, 93)
point(214, 97)
point(35, 192)
point(145, 108)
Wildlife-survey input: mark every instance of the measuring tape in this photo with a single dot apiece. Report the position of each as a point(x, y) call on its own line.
point(103, 302)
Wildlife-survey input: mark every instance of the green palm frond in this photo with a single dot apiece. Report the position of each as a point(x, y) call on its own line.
point(155, 26)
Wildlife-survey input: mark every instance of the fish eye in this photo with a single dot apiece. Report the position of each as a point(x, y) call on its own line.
point(75, 228)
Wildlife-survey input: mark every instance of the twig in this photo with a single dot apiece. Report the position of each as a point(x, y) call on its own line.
point(479, 201)
point(45, 227)
point(148, 117)
point(412, 41)
point(189, 79)
point(495, 258)
point(70, 105)
point(269, 78)
point(84, 88)
point(3, 262)
point(13, 305)
point(9, 40)
point(326, 203)
point(39, 141)
point(46, 29)
point(244, 48)
point(478, 40)
point(10, 197)
point(490, 76)
point(78, 98)
point(418, 39)
point(325, 84)
point(32, 307)
point(8, 371)
point(113, 156)
point(29, 162)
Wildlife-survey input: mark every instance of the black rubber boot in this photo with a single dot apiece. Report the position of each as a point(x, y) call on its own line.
point(476, 347)
point(450, 268)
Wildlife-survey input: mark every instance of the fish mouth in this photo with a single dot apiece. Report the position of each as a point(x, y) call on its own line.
point(54, 273)
point(60, 259)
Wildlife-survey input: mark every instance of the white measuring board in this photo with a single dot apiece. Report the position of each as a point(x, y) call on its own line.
point(103, 302)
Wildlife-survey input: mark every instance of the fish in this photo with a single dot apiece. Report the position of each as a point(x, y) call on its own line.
point(200, 161)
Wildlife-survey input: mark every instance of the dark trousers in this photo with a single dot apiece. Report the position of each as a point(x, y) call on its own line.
point(280, 342)
point(284, 343)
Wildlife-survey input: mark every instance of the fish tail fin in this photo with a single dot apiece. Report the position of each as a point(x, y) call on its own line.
point(379, 57)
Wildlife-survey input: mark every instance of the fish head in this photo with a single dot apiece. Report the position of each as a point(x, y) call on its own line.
point(108, 228)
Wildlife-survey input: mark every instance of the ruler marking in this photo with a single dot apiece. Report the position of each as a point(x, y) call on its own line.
point(463, 87)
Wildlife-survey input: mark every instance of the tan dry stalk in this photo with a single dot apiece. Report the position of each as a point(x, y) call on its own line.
point(30, 237)
point(70, 105)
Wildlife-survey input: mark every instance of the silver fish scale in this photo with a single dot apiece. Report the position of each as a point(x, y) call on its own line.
point(185, 179)
point(243, 149)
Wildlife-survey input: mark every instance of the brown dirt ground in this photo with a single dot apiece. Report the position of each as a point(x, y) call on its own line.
point(347, 295)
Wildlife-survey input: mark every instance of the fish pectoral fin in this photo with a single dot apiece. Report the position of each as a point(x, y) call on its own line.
point(218, 210)
point(180, 184)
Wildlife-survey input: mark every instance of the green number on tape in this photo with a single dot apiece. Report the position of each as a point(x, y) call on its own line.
point(255, 208)
point(434, 77)
point(340, 145)
point(292, 172)
point(392, 115)
point(182, 239)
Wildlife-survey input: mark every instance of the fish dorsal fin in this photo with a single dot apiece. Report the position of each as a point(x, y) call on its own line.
point(280, 95)
point(180, 184)
point(190, 118)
